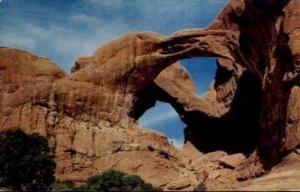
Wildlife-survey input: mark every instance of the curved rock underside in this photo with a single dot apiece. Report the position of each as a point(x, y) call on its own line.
point(247, 123)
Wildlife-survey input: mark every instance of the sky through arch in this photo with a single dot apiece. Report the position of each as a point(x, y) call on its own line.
point(163, 117)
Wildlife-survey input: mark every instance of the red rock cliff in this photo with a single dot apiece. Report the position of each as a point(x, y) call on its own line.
point(89, 116)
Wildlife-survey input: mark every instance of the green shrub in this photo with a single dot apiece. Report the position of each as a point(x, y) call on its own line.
point(200, 187)
point(63, 186)
point(25, 161)
point(117, 181)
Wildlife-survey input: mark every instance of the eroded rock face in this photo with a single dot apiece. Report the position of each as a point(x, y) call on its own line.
point(89, 116)
point(85, 123)
point(26, 82)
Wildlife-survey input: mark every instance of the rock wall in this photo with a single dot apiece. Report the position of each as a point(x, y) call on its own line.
point(90, 116)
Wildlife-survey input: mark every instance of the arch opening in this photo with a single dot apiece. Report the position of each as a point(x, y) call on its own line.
point(159, 106)
point(236, 131)
point(174, 101)
point(163, 118)
point(202, 71)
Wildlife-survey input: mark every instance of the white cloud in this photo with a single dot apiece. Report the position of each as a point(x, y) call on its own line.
point(17, 41)
point(158, 117)
point(104, 2)
point(65, 36)
point(84, 19)
point(61, 43)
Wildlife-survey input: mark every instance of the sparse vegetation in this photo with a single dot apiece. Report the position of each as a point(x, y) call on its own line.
point(63, 186)
point(107, 181)
point(117, 181)
point(200, 187)
point(25, 161)
point(26, 164)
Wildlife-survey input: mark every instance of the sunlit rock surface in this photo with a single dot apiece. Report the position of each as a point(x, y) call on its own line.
point(245, 126)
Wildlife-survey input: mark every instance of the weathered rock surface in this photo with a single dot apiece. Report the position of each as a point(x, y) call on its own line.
point(25, 85)
point(232, 161)
point(246, 123)
point(284, 177)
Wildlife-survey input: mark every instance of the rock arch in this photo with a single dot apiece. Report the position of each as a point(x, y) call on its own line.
point(89, 116)
point(241, 29)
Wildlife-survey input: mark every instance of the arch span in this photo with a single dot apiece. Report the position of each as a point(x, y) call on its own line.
point(234, 129)
point(236, 38)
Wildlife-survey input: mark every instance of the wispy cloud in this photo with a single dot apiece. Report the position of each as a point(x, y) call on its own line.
point(65, 31)
point(104, 2)
point(83, 18)
point(165, 119)
point(158, 116)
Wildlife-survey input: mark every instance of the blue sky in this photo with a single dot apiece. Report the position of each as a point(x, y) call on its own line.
point(163, 117)
point(64, 30)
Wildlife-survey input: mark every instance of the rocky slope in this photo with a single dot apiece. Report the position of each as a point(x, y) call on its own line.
point(245, 125)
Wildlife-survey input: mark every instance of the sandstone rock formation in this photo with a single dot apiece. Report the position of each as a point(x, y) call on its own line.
point(246, 123)
point(25, 82)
